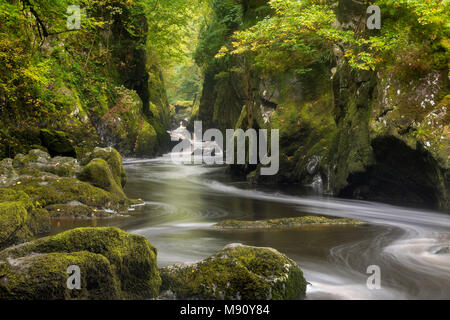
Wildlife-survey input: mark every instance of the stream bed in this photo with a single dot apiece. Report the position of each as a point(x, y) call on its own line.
point(183, 202)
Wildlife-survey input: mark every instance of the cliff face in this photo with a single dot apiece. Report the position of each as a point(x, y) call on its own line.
point(96, 85)
point(377, 135)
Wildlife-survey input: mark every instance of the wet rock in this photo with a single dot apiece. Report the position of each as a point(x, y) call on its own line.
point(234, 273)
point(98, 173)
point(284, 223)
point(114, 160)
point(443, 250)
point(50, 183)
point(113, 265)
point(19, 219)
point(40, 160)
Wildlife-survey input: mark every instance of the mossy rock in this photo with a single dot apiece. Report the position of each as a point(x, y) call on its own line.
point(147, 140)
point(33, 156)
point(75, 209)
point(39, 160)
point(284, 223)
point(10, 194)
point(44, 277)
point(114, 160)
point(49, 181)
point(57, 143)
point(237, 272)
point(39, 222)
point(6, 165)
point(19, 219)
point(98, 173)
point(48, 189)
point(132, 259)
point(13, 217)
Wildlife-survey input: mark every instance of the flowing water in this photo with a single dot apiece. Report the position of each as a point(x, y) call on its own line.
point(183, 202)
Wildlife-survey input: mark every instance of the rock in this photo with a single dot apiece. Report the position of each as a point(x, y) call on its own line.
point(19, 219)
point(49, 189)
point(443, 250)
point(98, 173)
point(34, 156)
point(50, 183)
point(114, 160)
point(113, 264)
point(234, 273)
point(44, 276)
point(40, 160)
point(284, 223)
point(13, 217)
point(57, 143)
point(147, 140)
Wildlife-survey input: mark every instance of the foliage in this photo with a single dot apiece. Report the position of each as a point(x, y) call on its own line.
point(301, 33)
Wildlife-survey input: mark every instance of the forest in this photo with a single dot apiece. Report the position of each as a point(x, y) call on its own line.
point(95, 94)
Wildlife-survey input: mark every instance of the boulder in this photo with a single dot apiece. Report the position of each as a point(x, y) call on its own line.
point(99, 173)
point(234, 273)
point(50, 183)
point(40, 160)
point(113, 265)
point(19, 219)
point(114, 160)
point(284, 223)
point(44, 277)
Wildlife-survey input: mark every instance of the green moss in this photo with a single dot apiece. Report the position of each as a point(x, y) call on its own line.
point(13, 217)
point(37, 159)
point(114, 160)
point(19, 219)
point(237, 272)
point(133, 258)
point(48, 190)
point(70, 211)
point(284, 223)
point(147, 140)
point(10, 194)
point(44, 277)
point(39, 222)
point(98, 173)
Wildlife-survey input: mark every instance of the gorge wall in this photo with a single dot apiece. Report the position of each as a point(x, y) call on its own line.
point(377, 134)
point(93, 87)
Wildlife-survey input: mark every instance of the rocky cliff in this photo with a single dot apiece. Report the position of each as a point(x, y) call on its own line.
point(377, 134)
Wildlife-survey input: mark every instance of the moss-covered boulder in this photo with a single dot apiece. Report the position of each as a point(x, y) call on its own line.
point(13, 217)
point(98, 173)
point(113, 263)
point(284, 223)
point(234, 273)
point(44, 277)
point(57, 143)
point(19, 219)
point(55, 183)
point(75, 209)
point(41, 160)
point(47, 189)
point(114, 160)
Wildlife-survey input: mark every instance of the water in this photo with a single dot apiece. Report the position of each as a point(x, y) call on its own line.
point(184, 201)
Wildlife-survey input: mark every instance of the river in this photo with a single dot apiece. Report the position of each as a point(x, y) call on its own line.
point(182, 202)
